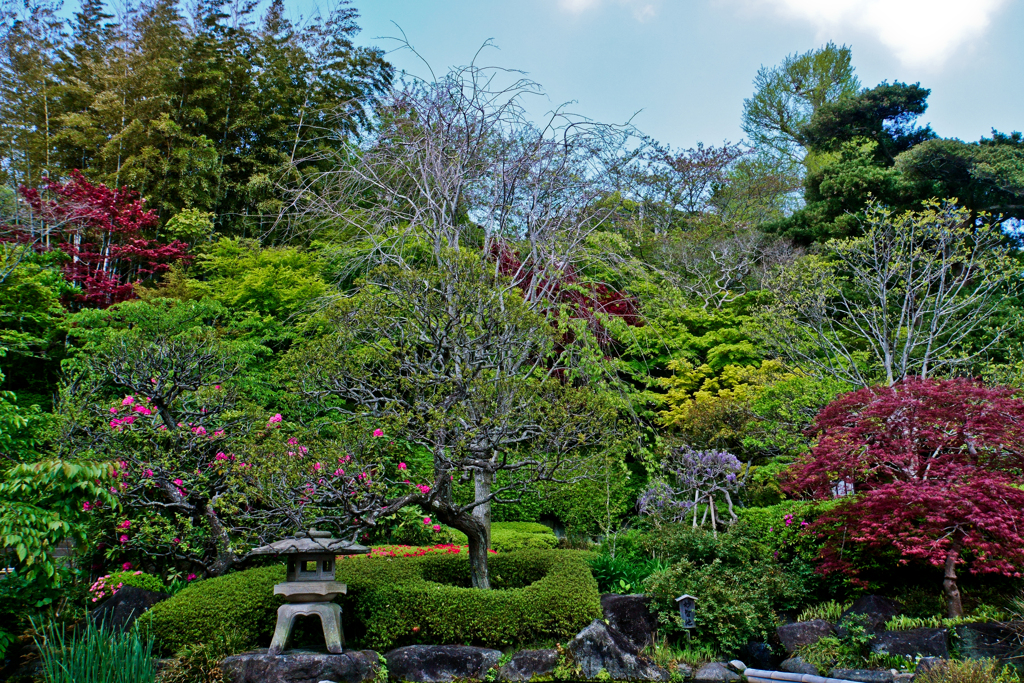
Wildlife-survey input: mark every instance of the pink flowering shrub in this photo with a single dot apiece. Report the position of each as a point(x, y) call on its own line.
point(107, 585)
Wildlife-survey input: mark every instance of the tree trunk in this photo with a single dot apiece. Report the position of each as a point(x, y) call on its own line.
point(226, 559)
point(482, 482)
point(478, 561)
point(954, 607)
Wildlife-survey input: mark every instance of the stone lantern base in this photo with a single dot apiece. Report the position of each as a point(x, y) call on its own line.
point(330, 618)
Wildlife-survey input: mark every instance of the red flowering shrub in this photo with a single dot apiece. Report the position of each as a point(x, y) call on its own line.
point(934, 466)
point(413, 551)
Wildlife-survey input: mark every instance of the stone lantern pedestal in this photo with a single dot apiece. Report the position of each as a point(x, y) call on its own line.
point(309, 587)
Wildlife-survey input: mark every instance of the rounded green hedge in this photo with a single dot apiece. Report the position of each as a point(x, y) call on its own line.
point(538, 595)
point(242, 604)
point(508, 537)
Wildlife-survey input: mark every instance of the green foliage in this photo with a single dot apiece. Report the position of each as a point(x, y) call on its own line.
point(511, 536)
point(275, 281)
point(200, 662)
point(242, 603)
point(537, 595)
point(95, 655)
point(970, 671)
point(623, 574)
point(190, 225)
point(848, 652)
point(740, 584)
point(829, 611)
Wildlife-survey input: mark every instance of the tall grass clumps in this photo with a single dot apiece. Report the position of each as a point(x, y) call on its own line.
point(95, 654)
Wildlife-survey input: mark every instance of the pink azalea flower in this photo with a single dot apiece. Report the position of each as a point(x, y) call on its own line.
point(317, 467)
point(275, 419)
point(123, 539)
point(113, 411)
point(115, 423)
point(127, 566)
point(148, 473)
point(217, 387)
point(402, 466)
point(126, 524)
point(152, 380)
point(86, 507)
point(377, 433)
point(178, 482)
point(426, 520)
point(190, 577)
point(292, 441)
point(219, 432)
point(338, 472)
point(423, 488)
point(176, 540)
point(221, 456)
point(303, 450)
point(128, 419)
point(437, 527)
point(199, 431)
point(128, 400)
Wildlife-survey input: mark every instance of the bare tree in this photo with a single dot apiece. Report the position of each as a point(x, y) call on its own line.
point(456, 364)
point(910, 297)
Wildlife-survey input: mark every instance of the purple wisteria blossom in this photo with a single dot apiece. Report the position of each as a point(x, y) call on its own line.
point(690, 479)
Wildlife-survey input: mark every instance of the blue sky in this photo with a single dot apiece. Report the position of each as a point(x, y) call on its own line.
point(683, 67)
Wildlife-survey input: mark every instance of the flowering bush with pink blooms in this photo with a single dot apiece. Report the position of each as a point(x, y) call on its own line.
point(108, 584)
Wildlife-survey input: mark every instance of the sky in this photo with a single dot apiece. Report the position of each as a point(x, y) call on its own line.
point(680, 69)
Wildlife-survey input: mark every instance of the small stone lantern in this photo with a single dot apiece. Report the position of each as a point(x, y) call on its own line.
point(310, 587)
point(687, 607)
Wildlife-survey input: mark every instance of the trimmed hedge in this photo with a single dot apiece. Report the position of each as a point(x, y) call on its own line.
point(242, 604)
point(508, 537)
point(538, 595)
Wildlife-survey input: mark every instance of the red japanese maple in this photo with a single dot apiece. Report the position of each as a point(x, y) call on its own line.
point(102, 230)
point(935, 466)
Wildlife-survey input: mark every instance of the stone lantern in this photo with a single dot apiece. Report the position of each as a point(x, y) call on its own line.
point(310, 587)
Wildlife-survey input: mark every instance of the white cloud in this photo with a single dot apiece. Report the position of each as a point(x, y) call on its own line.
point(642, 9)
point(919, 32)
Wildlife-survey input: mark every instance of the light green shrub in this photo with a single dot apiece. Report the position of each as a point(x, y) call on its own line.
point(241, 603)
point(511, 536)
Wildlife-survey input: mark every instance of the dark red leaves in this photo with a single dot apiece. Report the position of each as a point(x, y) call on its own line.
point(102, 231)
point(932, 462)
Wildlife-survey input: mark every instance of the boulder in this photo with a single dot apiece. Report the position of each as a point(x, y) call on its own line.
point(429, 663)
point(926, 664)
point(715, 672)
point(993, 639)
point(863, 675)
point(629, 615)
point(876, 609)
point(120, 610)
point(684, 671)
point(923, 642)
point(797, 665)
point(600, 647)
point(737, 666)
point(296, 666)
point(795, 635)
point(527, 664)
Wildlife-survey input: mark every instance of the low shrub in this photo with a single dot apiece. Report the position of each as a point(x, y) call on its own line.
point(970, 671)
point(537, 595)
point(508, 537)
point(107, 585)
point(623, 574)
point(242, 603)
point(848, 652)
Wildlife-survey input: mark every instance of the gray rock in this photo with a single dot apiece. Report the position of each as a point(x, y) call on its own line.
point(875, 611)
point(903, 678)
point(526, 664)
point(926, 664)
point(120, 610)
point(797, 665)
point(715, 672)
point(863, 675)
point(924, 642)
point(600, 646)
point(993, 639)
point(297, 666)
point(737, 666)
point(430, 663)
point(685, 671)
point(630, 616)
point(795, 635)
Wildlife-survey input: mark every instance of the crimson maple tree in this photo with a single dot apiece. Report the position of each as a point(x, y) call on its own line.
point(103, 232)
point(934, 465)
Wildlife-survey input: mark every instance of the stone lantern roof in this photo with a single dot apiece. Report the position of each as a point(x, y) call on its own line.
point(314, 543)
